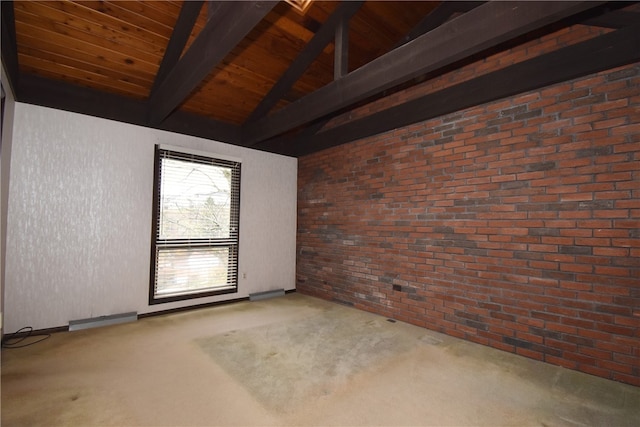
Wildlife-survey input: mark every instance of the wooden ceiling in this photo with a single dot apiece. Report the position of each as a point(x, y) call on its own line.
point(246, 72)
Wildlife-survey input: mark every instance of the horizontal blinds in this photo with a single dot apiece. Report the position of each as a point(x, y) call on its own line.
point(188, 271)
point(197, 216)
point(197, 198)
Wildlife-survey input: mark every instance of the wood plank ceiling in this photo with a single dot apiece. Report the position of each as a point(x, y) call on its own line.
point(263, 74)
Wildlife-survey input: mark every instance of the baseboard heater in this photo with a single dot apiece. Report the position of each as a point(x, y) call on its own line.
point(95, 322)
point(266, 294)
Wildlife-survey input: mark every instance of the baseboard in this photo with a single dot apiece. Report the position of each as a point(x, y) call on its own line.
point(257, 296)
point(96, 322)
point(192, 307)
point(199, 306)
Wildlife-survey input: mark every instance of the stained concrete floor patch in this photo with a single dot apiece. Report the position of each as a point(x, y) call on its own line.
point(283, 365)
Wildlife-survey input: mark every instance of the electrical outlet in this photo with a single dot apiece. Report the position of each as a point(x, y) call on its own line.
point(244, 275)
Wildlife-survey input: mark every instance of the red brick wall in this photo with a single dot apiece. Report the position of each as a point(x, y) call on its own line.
point(514, 224)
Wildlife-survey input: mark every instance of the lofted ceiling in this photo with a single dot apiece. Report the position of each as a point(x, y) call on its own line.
point(266, 75)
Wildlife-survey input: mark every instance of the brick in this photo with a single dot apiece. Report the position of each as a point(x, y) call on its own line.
point(580, 358)
point(559, 361)
point(611, 252)
point(616, 329)
point(613, 309)
point(610, 105)
point(612, 271)
point(617, 367)
point(624, 93)
point(593, 370)
point(628, 321)
point(620, 121)
point(574, 94)
point(599, 354)
point(627, 360)
point(615, 347)
point(582, 250)
point(622, 74)
point(629, 379)
point(626, 130)
point(618, 176)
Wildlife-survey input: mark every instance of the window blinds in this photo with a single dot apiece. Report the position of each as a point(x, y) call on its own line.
point(196, 226)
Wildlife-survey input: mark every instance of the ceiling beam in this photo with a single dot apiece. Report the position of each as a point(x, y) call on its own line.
point(78, 99)
point(212, 8)
point(437, 17)
point(341, 52)
point(229, 25)
point(605, 52)
point(614, 19)
point(466, 6)
point(483, 27)
point(321, 38)
point(9, 44)
point(179, 37)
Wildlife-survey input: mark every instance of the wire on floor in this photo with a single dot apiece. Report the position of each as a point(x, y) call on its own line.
point(16, 339)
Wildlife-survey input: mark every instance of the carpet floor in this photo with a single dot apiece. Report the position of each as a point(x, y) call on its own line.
point(293, 360)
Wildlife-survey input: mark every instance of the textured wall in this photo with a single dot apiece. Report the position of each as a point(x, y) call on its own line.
point(79, 220)
point(514, 224)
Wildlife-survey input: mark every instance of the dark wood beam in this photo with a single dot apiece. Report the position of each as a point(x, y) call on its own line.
point(310, 52)
point(615, 19)
point(179, 37)
point(313, 128)
point(605, 52)
point(341, 52)
point(9, 44)
point(78, 99)
point(482, 28)
point(466, 6)
point(232, 22)
point(212, 8)
point(437, 17)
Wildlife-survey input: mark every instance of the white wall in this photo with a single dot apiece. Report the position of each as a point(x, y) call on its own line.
point(79, 220)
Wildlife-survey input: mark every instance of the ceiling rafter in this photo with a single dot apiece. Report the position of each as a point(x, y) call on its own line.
point(437, 17)
point(615, 19)
point(481, 28)
point(614, 49)
point(341, 52)
point(212, 7)
point(179, 37)
point(223, 31)
point(317, 43)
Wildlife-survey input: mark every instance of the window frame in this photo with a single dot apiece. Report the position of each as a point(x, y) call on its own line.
point(232, 269)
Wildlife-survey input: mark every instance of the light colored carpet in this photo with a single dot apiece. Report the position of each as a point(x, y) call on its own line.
point(285, 365)
point(293, 360)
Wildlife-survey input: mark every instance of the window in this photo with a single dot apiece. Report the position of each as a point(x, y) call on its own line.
point(196, 217)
